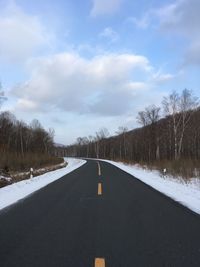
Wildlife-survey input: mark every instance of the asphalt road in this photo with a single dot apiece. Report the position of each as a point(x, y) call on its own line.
point(85, 219)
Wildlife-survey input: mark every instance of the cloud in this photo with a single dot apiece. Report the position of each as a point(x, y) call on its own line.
point(71, 83)
point(160, 77)
point(26, 105)
point(192, 55)
point(105, 7)
point(142, 23)
point(161, 16)
point(109, 34)
point(119, 101)
point(181, 18)
point(21, 34)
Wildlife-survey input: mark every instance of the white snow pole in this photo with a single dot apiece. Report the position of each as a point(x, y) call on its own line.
point(31, 172)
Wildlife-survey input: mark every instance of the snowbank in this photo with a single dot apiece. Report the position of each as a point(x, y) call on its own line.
point(5, 178)
point(188, 194)
point(14, 192)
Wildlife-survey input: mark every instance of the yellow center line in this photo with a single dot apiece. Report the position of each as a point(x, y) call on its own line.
point(99, 262)
point(99, 189)
point(99, 169)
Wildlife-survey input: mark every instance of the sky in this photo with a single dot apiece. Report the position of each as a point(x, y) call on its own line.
point(78, 66)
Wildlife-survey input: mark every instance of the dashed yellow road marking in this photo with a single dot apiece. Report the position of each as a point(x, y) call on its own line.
point(99, 262)
point(99, 189)
point(99, 169)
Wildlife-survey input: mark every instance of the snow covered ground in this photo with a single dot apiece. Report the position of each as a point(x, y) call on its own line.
point(188, 194)
point(14, 192)
point(5, 178)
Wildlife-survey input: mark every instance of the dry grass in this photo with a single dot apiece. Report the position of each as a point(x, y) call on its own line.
point(18, 168)
point(4, 183)
point(184, 168)
point(19, 176)
point(15, 162)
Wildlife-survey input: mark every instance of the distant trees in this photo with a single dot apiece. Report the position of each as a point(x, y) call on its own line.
point(180, 109)
point(23, 146)
point(174, 136)
point(122, 141)
point(92, 146)
point(100, 142)
point(16, 136)
point(150, 116)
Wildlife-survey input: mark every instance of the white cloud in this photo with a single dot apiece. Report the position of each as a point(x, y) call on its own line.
point(161, 77)
point(109, 34)
point(21, 34)
point(72, 83)
point(26, 105)
point(164, 15)
point(104, 7)
point(142, 23)
point(181, 18)
point(192, 56)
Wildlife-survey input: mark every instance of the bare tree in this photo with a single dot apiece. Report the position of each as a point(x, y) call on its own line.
point(153, 115)
point(171, 106)
point(150, 116)
point(101, 135)
point(177, 135)
point(142, 118)
point(16, 136)
point(188, 104)
point(179, 108)
point(122, 130)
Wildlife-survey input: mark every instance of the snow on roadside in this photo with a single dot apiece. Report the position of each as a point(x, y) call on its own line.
point(188, 194)
point(5, 178)
point(14, 192)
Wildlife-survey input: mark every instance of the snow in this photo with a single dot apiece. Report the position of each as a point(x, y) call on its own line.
point(14, 192)
point(188, 194)
point(5, 178)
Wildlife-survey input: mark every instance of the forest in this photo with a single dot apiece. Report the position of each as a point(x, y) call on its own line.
point(23, 146)
point(169, 137)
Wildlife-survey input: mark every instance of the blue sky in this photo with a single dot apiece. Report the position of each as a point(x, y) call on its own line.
point(79, 66)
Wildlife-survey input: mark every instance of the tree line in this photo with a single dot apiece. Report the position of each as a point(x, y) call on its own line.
point(169, 132)
point(21, 138)
point(23, 145)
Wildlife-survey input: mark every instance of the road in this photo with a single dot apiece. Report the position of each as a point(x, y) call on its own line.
point(98, 216)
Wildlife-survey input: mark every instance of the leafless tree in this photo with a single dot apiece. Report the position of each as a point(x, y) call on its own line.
point(142, 118)
point(101, 135)
point(21, 138)
point(121, 132)
point(179, 108)
point(156, 140)
point(150, 116)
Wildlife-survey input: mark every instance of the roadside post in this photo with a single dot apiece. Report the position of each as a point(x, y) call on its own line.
point(31, 172)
